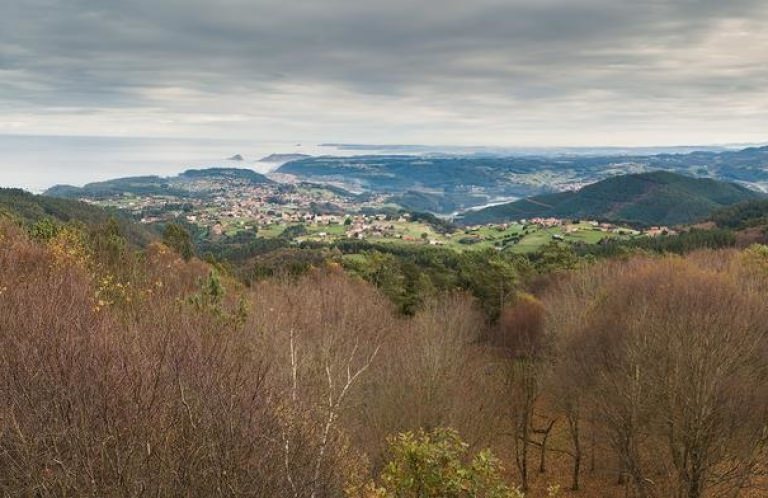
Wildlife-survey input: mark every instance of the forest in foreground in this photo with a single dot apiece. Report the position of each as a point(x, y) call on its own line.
point(142, 370)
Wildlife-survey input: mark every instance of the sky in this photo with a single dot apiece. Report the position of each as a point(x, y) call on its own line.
point(469, 72)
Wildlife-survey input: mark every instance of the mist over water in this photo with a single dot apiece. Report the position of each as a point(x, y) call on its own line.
point(36, 163)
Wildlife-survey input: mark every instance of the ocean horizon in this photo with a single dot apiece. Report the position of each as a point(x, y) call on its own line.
point(38, 162)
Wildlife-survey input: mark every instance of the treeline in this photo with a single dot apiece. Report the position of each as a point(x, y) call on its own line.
point(681, 243)
point(411, 274)
point(743, 215)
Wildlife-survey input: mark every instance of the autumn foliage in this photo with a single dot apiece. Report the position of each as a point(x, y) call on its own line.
point(138, 372)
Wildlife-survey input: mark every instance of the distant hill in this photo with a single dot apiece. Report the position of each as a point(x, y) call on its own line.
point(156, 185)
point(431, 203)
point(140, 185)
point(283, 158)
point(224, 173)
point(655, 198)
point(475, 180)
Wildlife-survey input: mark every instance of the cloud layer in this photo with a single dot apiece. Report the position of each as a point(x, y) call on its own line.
point(503, 72)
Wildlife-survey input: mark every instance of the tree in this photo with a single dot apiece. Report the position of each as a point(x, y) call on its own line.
point(569, 384)
point(438, 464)
point(435, 372)
point(555, 256)
point(680, 374)
point(108, 243)
point(490, 277)
point(44, 229)
point(210, 296)
point(178, 239)
point(520, 335)
point(326, 331)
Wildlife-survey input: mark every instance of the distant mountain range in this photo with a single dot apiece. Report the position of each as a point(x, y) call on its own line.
point(156, 185)
point(655, 198)
point(462, 182)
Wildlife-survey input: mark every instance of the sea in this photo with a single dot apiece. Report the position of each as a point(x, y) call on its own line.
point(36, 163)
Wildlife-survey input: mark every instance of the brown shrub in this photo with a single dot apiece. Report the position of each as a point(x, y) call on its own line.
point(171, 402)
point(520, 330)
point(433, 372)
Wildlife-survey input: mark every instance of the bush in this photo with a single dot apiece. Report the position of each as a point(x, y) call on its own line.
point(438, 464)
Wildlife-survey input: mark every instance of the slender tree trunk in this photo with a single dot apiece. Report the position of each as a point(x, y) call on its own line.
point(545, 437)
point(573, 426)
point(593, 440)
point(524, 453)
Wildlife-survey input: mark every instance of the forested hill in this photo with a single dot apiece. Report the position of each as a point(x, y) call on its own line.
point(157, 185)
point(655, 198)
point(27, 209)
point(743, 215)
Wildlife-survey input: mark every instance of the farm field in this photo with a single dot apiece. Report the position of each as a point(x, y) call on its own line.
point(513, 237)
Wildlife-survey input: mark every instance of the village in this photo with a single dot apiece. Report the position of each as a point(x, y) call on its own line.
point(226, 207)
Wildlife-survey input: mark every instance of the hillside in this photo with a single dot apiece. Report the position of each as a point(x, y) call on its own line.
point(223, 173)
point(656, 198)
point(429, 202)
point(28, 208)
point(155, 185)
point(25, 208)
point(743, 215)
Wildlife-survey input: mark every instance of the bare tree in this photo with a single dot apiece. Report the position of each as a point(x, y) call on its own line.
point(670, 360)
point(327, 330)
point(521, 338)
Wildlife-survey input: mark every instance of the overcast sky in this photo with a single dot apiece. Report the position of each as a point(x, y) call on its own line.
point(486, 72)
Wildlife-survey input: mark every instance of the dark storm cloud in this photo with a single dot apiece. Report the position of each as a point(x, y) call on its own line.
point(441, 56)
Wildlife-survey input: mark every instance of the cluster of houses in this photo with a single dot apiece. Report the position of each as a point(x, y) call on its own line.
point(657, 231)
point(375, 226)
point(568, 226)
point(227, 203)
point(249, 206)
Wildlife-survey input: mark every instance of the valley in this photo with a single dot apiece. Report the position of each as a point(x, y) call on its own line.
point(452, 202)
point(223, 205)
